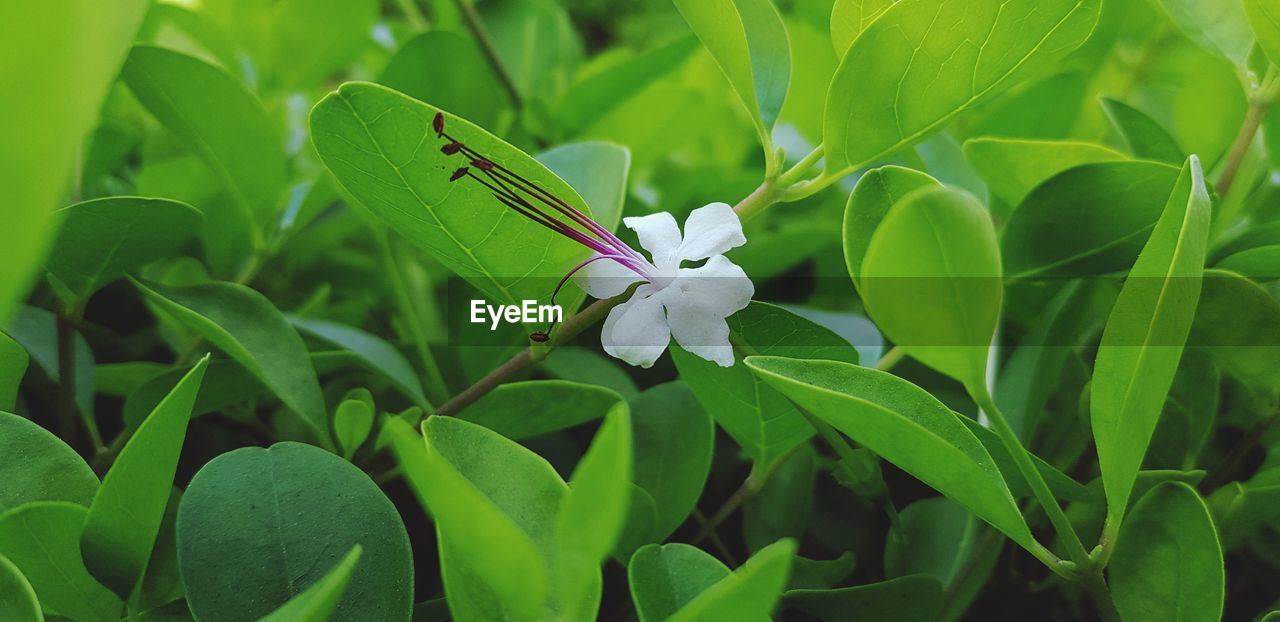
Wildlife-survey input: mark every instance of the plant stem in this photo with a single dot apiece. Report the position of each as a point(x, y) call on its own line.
point(416, 20)
point(1096, 587)
point(68, 320)
point(434, 381)
point(477, 29)
point(749, 487)
point(759, 200)
point(891, 358)
point(1239, 149)
point(716, 540)
point(1075, 549)
point(798, 171)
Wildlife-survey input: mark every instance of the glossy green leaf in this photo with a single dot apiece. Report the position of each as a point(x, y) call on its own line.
point(750, 593)
point(1144, 337)
point(17, 600)
point(598, 171)
point(73, 42)
point(904, 425)
point(1167, 563)
point(244, 324)
point(924, 61)
point(520, 410)
point(218, 119)
point(42, 539)
point(1261, 263)
point(936, 296)
point(1014, 167)
point(849, 18)
point(1141, 134)
point(665, 578)
point(35, 465)
point(378, 355)
point(380, 146)
point(1264, 17)
point(257, 527)
point(594, 96)
point(759, 419)
point(124, 519)
point(1072, 225)
point(912, 598)
point(1238, 323)
point(1219, 26)
point(13, 366)
point(352, 421)
point(873, 197)
point(448, 69)
point(317, 603)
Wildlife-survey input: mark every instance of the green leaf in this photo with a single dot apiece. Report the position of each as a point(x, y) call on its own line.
point(352, 421)
point(300, 42)
point(1239, 323)
point(1261, 263)
point(35, 465)
point(936, 296)
point(17, 600)
point(449, 70)
point(380, 146)
point(258, 527)
point(1141, 134)
point(42, 539)
point(781, 507)
point(80, 42)
point(536, 42)
point(37, 331)
point(870, 202)
point(850, 18)
point(664, 578)
point(904, 425)
point(520, 410)
point(491, 547)
point(1264, 16)
point(1062, 485)
point(594, 96)
point(903, 77)
point(218, 119)
point(1014, 167)
point(749, 43)
point(913, 598)
point(1070, 225)
point(124, 519)
point(750, 593)
point(376, 354)
point(762, 421)
point(1167, 563)
point(1144, 337)
point(598, 171)
point(587, 366)
point(226, 382)
point(1218, 26)
point(244, 324)
point(593, 515)
point(103, 239)
point(317, 603)
point(13, 366)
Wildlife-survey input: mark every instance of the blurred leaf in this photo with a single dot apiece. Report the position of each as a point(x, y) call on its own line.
point(17, 599)
point(13, 366)
point(102, 240)
point(904, 425)
point(520, 410)
point(902, 78)
point(873, 197)
point(123, 521)
point(244, 324)
point(1239, 323)
point(1264, 16)
point(257, 527)
point(750, 593)
point(1219, 26)
point(598, 171)
point(1261, 263)
point(912, 598)
point(849, 18)
point(1144, 137)
point(35, 465)
point(352, 422)
point(594, 96)
point(1167, 563)
point(302, 42)
point(780, 509)
point(1014, 167)
point(664, 578)
point(537, 44)
point(447, 69)
point(1144, 337)
point(378, 355)
point(317, 603)
point(37, 331)
point(42, 539)
point(821, 573)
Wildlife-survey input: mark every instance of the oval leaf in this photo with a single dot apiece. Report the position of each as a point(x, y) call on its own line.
point(35, 465)
point(17, 599)
point(875, 194)
point(42, 539)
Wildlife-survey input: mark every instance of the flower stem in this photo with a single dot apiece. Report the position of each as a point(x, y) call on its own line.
point(1259, 104)
point(891, 358)
point(477, 29)
point(1096, 587)
point(795, 173)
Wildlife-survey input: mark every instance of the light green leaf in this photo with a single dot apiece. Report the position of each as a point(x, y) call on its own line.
point(353, 420)
point(849, 18)
point(520, 410)
point(665, 578)
point(913, 598)
point(124, 519)
point(1260, 264)
point(448, 69)
point(317, 603)
point(17, 600)
point(924, 61)
point(875, 194)
point(1219, 26)
point(80, 42)
point(257, 527)
point(1264, 16)
point(1167, 563)
point(244, 324)
point(750, 593)
point(382, 149)
point(1061, 484)
point(378, 355)
point(42, 539)
point(594, 96)
point(35, 465)
point(935, 295)
point(1013, 167)
point(536, 42)
point(1142, 134)
point(13, 366)
point(598, 171)
point(904, 425)
point(1144, 337)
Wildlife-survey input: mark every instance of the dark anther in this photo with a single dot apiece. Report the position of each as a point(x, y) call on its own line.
point(482, 164)
point(438, 124)
point(459, 174)
point(539, 337)
point(451, 148)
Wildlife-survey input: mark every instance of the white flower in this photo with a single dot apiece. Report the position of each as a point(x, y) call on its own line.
point(690, 304)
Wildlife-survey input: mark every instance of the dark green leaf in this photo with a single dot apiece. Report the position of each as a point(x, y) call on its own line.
point(913, 598)
point(520, 410)
point(317, 603)
point(1142, 134)
point(35, 465)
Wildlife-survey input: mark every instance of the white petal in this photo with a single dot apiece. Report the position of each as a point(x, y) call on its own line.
point(660, 235)
point(718, 287)
point(605, 278)
point(636, 331)
point(701, 333)
point(711, 230)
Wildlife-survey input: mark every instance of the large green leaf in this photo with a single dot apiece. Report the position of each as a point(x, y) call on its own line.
point(1144, 337)
point(1264, 16)
point(762, 421)
point(124, 519)
point(904, 425)
point(931, 281)
point(912, 598)
point(35, 465)
point(598, 171)
point(449, 70)
point(103, 239)
point(1167, 564)
point(244, 324)
point(924, 61)
point(17, 599)
point(317, 603)
point(520, 410)
point(257, 527)
point(381, 147)
point(1219, 26)
point(71, 42)
point(42, 539)
point(870, 201)
point(1013, 167)
point(849, 18)
point(378, 355)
